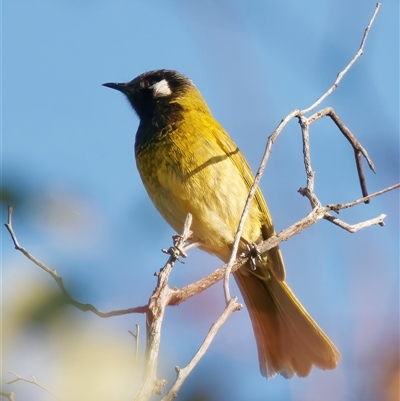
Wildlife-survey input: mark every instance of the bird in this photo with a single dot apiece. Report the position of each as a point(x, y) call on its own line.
point(189, 164)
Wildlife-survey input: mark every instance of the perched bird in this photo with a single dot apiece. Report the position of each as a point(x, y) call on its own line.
point(189, 164)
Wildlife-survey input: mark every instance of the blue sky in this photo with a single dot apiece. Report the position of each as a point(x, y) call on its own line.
point(67, 150)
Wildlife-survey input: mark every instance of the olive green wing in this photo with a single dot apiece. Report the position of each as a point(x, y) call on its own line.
point(236, 156)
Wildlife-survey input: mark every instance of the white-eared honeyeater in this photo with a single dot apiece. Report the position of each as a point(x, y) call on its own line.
point(189, 164)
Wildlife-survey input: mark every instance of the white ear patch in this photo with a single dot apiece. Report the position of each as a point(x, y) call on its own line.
point(161, 89)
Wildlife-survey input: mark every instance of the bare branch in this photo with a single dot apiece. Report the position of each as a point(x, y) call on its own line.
point(183, 373)
point(59, 280)
point(155, 314)
point(136, 337)
point(356, 227)
point(33, 381)
point(341, 206)
point(10, 396)
point(309, 190)
point(253, 189)
point(367, 29)
point(358, 148)
point(180, 295)
point(295, 113)
point(347, 68)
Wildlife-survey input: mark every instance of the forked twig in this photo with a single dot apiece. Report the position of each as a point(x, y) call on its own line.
point(308, 191)
point(321, 212)
point(33, 381)
point(352, 228)
point(359, 150)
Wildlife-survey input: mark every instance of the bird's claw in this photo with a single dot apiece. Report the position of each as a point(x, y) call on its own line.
point(176, 251)
point(254, 255)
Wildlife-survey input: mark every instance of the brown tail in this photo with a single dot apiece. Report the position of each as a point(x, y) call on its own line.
point(288, 340)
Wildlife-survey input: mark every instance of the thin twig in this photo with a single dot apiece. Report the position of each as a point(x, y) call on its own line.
point(357, 147)
point(59, 280)
point(33, 381)
point(341, 206)
point(352, 228)
point(184, 293)
point(180, 295)
point(136, 337)
point(253, 189)
point(309, 190)
point(183, 373)
point(271, 139)
point(347, 68)
point(367, 29)
point(328, 111)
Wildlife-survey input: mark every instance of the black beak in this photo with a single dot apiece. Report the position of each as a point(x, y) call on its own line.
point(119, 87)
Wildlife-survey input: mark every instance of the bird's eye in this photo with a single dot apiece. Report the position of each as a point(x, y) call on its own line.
point(148, 83)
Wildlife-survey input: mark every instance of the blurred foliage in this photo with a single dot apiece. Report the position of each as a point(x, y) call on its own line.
point(42, 309)
point(18, 185)
point(85, 362)
point(10, 195)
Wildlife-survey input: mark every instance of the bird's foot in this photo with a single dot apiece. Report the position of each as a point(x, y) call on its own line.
point(254, 255)
point(176, 251)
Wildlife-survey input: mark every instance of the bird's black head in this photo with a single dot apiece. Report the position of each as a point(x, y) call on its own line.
point(155, 92)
